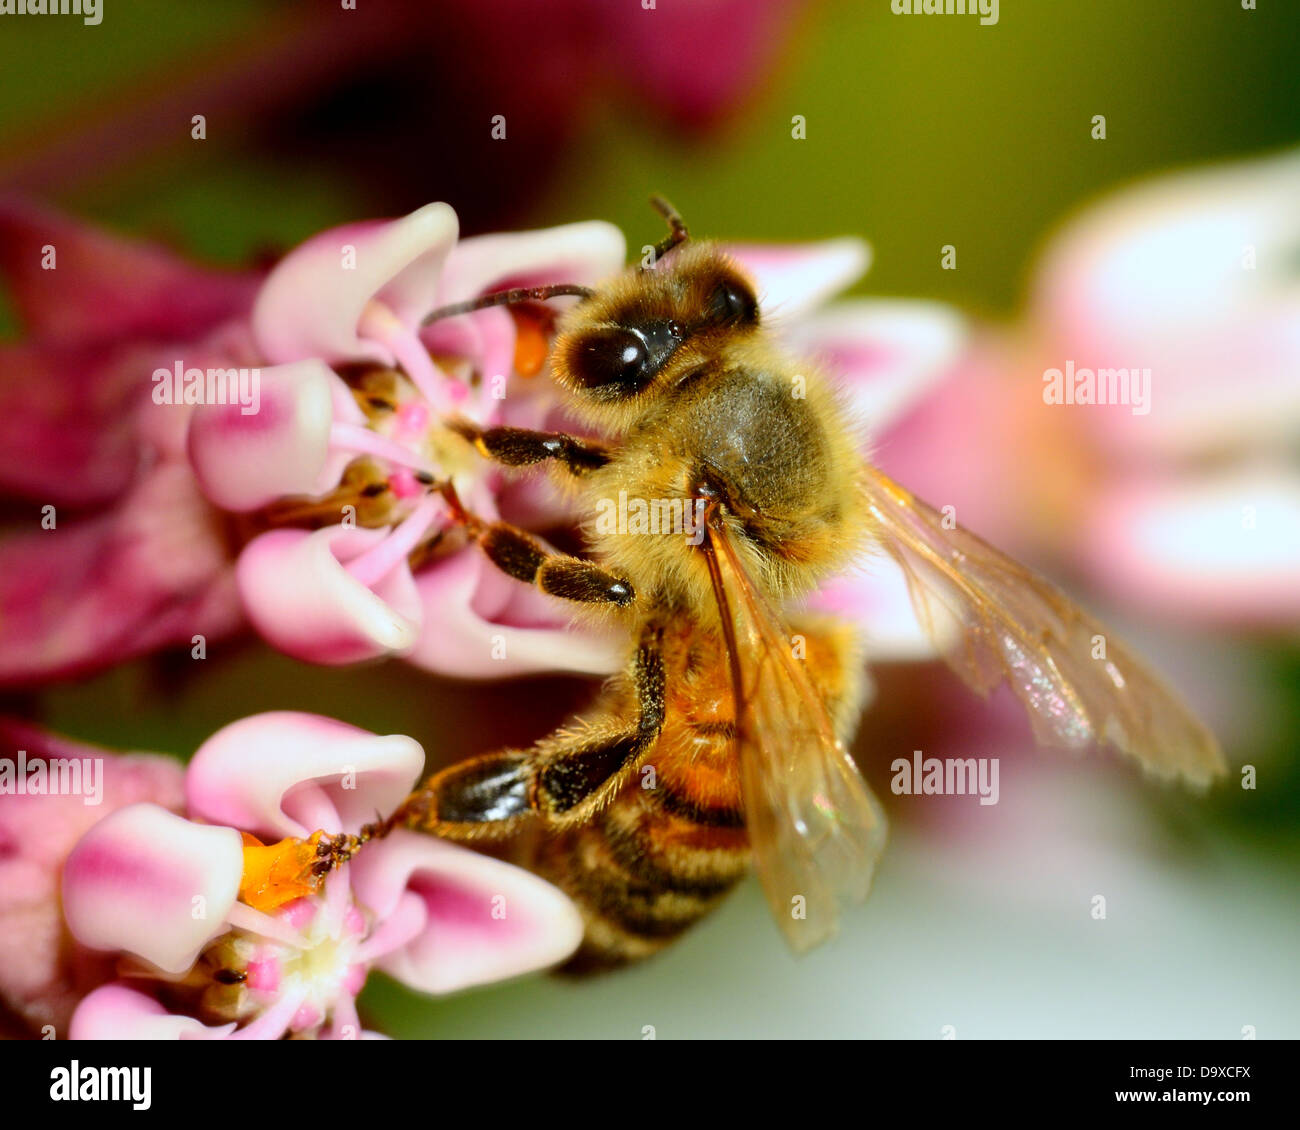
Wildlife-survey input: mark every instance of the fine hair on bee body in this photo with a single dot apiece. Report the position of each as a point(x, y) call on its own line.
point(724, 417)
point(721, 744)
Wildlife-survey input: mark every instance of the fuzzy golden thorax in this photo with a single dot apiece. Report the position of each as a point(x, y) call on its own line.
point(699, 404)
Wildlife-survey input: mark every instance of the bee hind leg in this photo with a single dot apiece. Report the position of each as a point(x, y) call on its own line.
point(495, 796)
point(561, 781)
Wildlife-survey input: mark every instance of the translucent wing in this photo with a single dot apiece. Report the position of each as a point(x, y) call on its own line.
point(1078, 683)
point(815, 829)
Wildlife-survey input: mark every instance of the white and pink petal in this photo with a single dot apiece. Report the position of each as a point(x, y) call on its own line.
point(246, 460)
point(302, 593)
point(313, 302)
point(286, 773)
point(119, 1012)
point(484, 920)
point(795, 278)
point(148, 882)
point(886, 354)
point(478, 623)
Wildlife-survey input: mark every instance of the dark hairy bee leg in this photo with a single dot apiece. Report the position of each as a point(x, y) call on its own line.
point(520, 447)
point(522, 556)
point(562, 780)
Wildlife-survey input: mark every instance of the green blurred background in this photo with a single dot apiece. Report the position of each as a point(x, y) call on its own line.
point(921, 131)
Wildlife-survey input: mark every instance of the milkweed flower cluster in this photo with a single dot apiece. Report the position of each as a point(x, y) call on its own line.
point(310, 518)
point(201, 953)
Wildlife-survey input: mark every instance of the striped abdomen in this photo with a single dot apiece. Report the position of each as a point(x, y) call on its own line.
point(672, 842)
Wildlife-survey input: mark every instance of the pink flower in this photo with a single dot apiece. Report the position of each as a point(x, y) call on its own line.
point(346, 590)
point(43, 973)
point(721, 53)
point(320, 491)
point(1194, 507)
point(1184, 506)
point(353, 423)
point(544, 68)
point(115, 553)
point(222, 937)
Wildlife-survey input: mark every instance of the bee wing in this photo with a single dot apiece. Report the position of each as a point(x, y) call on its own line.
point(814, 826)
point(1018, 627)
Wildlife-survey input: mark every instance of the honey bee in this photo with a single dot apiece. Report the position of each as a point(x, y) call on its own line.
point(723, 742)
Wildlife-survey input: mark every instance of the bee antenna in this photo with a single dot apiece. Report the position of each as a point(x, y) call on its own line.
point(677, 231)
point(508, 298)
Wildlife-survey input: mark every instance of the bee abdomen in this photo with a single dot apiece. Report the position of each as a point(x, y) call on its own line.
point(644, 872)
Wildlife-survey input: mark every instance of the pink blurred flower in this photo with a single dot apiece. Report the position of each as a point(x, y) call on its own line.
point(545, 69)
point(170, 895)
point(715, 52)
point(43, 973)
point(1194, 509)
point(119, 555)
point(1188, 511)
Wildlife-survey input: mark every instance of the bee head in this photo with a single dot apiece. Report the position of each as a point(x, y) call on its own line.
point(641, 334)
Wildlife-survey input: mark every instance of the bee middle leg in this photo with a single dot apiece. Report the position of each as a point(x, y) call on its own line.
point(520, 555)
point(561, 781)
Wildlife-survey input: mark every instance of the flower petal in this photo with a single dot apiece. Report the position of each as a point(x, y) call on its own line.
point(148, 882)
point(103, 287)
point(794, 278)
point(722, 53)
point(43, 972)
point(583, 253)
point(879, 602)
point(264, 774)
point(244, 461)
point(299, 594)
point(67, 426)
point(313, 301)
point(118, 1012)
point(153, 572)
point(1223, 546)
point(887, 353)
point(1193, 277)
point(480, 624)
point(487, 920)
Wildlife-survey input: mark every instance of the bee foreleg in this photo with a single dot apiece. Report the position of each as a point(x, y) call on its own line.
point(520, 447)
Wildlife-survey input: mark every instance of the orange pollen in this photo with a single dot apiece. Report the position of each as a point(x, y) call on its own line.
point(275, 874)
point(531, 344)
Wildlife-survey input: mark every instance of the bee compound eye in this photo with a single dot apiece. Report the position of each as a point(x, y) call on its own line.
point(614, 358)
point(730, 303)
